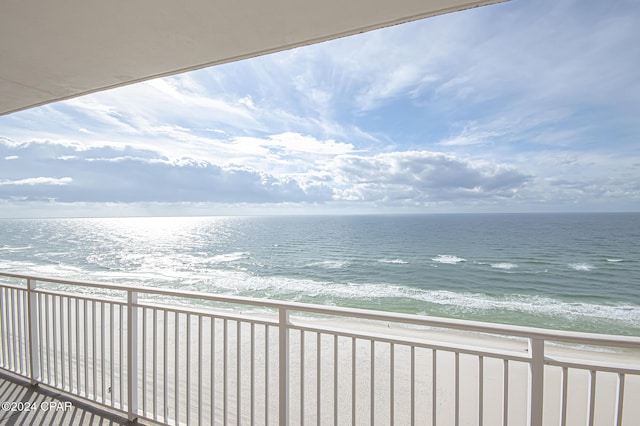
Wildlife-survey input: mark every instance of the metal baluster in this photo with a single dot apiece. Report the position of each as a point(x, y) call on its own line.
point(318, 376)
point(457, 389)
point(283, 366)
point(176, 387)
point(188, 372)
point(155, 363)
point(592, 397)
point(301, 377)
point(373, 381)
point(434, 386)
point(505, 392)
point(225, 390)
point(143, 349)
point(353, 381)
point(565, 384)
point(335, 379)
point(70, 344)
point(253, 372)
point(620, 399)
point(392, 379)
point(480, 390)
point(112, 389)
point(413, 385)
point(200, 372)
point(238, 371)
point(165, 404)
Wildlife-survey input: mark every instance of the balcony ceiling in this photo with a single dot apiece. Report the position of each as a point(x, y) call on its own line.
point(55, 50)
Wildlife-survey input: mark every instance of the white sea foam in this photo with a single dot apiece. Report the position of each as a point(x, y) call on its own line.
point(13, 249)
point(243, 283)
point(54, 270)
point(398, 261)
point(445, 258)
point(330, 264)
point(581, 266)
point(536, 305)
point(504, 265)
point(229, 257)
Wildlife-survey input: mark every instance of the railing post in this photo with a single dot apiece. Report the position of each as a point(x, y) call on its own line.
point(34, 347)
point(536, 381)
point(132, 355)
point(283, 367)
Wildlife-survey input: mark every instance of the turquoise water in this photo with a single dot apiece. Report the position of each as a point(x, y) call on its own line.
point(567, 271)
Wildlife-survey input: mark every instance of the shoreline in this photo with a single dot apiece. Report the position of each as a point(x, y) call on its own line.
point(536, 310)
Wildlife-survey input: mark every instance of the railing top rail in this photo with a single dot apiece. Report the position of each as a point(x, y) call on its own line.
point(457, 324)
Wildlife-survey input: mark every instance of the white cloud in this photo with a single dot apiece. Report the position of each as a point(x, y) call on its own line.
point(534, 102)
point(37, 181)
point(248, 101)
point(402, 79)
point(422, 176)
point(294, 143)
point(102, 113)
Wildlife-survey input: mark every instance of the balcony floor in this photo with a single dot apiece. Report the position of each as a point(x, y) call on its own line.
point(48, 407)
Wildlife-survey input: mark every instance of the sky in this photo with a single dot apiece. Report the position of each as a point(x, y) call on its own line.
point(523, 106)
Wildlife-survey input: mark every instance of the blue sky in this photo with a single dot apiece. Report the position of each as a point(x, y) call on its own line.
point(524, 106)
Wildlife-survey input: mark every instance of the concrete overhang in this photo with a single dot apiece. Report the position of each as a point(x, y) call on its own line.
point(56, 50)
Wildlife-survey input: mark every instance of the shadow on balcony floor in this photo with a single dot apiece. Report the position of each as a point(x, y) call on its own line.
point(23, 404)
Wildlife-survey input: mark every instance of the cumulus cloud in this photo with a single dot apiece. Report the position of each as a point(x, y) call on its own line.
point(110, 175)
point(290, 169)
point(423, 176)
point(325, 171)
point(526, 115)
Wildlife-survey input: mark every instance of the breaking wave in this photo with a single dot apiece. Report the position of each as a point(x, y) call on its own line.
point(397, 261)
point(426, 301)
point(229, 257)
point(461, 302)
point(504, 265)
point(581, 266)
point(445, 258)
point(330, 264)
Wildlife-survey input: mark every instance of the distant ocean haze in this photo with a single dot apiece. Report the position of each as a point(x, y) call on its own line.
point(565, 271)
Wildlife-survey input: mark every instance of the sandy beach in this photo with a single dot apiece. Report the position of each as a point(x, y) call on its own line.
point(205, 366)
point(330, 376)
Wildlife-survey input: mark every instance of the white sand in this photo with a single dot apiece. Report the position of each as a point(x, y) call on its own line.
point(318, 403)
point(208, 361)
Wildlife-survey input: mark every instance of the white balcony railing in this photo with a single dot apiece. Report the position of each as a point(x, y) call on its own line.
point(187, 358)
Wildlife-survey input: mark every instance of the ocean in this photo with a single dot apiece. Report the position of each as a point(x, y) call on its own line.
point(563, 271)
